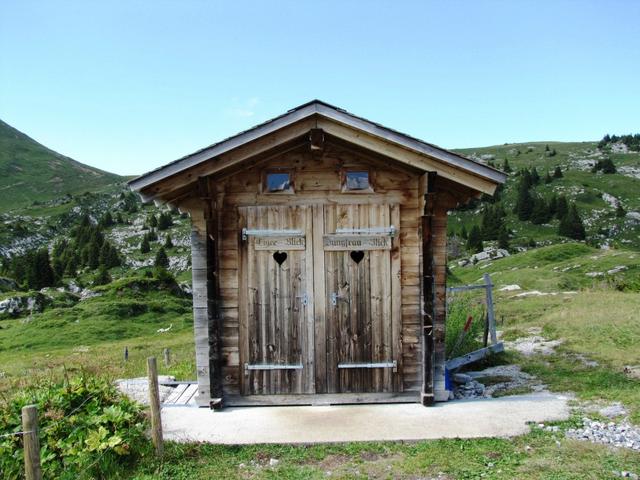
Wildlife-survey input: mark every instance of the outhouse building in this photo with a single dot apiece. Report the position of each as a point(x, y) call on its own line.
point(319, 259)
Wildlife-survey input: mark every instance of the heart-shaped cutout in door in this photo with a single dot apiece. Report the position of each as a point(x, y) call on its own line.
point(357, 256)
point(280, 257)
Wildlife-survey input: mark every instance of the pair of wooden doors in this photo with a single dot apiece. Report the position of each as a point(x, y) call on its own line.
point(319, 300)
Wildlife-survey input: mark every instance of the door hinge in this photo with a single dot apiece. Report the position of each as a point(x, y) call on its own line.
point(270, 366)
point(393, 365)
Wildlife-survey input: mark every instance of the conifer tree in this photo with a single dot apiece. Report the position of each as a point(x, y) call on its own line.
point(162, 261)
point(153, 221)
point(547, 178)
point(71, 267)
point(571, 225)
point(524, 202)
point(474, 241)
point(168, 243)
point(152, 236)
point(39, 272)
point(463, 232)
point(93, 258)
point(557, 173)
point(562, 207)
point(102, 277)
point(144, 245)
point(526, 181)
point(506, 168)
point(535, 177)
point(553, 205)
point(106, 220)
point(620, 211)
point(492, 221)
point(164, 221)
point(503, 238)
point(540, 211)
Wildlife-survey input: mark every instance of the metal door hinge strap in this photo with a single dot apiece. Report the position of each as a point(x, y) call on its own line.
point(271, 366)
point(393, 365)
point(391, 231)
point(247, 232)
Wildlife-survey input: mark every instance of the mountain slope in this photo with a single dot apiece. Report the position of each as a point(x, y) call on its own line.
point(595, 194)
point(30, 172)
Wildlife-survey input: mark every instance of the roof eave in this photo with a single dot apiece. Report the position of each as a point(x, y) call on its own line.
point(316, 107)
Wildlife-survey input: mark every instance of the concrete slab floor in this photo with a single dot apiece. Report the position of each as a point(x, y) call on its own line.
point(491, 417)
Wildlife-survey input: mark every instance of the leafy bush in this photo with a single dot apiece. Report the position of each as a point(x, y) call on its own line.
point(87, 429)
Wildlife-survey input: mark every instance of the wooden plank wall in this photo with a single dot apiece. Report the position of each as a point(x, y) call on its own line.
point(317, 181)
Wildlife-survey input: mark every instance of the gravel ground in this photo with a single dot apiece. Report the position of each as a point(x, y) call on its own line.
point(608, 433)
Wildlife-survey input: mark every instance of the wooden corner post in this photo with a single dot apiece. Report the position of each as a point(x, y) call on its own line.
point(206, 311)
point(428, 198)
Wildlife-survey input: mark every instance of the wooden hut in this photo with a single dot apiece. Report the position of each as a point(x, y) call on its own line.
point(319, 259)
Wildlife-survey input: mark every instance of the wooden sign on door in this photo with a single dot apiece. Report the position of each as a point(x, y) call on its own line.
point(356, 242)
point(280, 243)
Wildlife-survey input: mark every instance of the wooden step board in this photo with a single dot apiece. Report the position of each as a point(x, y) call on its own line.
point(182, 395)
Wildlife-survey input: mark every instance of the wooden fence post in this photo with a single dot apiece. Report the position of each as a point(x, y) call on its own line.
point(166, 353)
point(490, 313)
point(32, 468)
point(154, 403)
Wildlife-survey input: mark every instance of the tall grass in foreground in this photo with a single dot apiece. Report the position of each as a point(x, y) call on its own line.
point(461, 306)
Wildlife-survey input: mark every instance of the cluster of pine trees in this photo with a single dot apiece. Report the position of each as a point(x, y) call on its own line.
point(632, 141)
point(162, 222)
point(32, 270)
point(86, 247)
point(492, 227)
point(536, 209)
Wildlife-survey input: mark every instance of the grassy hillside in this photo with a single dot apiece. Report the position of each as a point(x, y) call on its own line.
point(595, 194)
point(30, 172)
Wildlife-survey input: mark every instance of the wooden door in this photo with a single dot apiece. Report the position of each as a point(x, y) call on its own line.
point(276, 318)
point(362, 290)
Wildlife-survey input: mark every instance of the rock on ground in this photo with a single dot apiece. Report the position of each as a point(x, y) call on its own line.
point(608, 433)
point(506, 378)
point(533, 345)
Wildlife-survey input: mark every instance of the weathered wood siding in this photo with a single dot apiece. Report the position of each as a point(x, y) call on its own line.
point(317, 182)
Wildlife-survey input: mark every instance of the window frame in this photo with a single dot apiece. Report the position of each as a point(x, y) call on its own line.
point(277, 170)
point(343, 180)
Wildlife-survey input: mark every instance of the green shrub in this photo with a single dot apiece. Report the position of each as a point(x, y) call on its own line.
point(459, 307)
point(87, 429)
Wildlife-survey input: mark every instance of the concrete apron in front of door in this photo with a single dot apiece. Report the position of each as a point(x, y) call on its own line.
point(493, 417)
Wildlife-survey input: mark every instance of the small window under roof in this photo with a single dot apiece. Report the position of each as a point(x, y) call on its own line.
point(357, 180)
point(278, 182)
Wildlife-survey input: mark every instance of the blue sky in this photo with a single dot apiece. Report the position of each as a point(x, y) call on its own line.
point(130, 85)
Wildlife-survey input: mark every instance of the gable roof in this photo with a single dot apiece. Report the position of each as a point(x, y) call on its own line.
point(319, 109)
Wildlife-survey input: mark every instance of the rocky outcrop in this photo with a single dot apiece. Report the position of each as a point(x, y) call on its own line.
point(25, 303)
